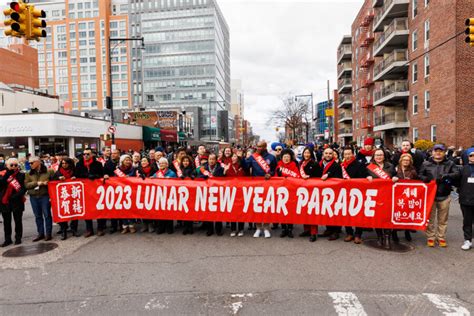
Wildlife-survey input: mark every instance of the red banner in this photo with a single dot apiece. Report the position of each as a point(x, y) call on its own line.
point(355, 202)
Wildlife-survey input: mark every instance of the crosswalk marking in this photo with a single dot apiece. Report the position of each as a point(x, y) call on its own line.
point(347, 304)
point(447, 305)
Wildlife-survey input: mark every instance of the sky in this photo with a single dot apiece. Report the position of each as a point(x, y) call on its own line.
point(281, 47)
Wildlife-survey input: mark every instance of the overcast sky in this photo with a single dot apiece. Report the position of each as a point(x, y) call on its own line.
point(283, 46)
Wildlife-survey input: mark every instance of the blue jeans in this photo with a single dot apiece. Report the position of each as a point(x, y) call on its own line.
point(42, 210)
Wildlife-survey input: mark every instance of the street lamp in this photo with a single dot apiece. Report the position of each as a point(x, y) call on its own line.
point(109, 99)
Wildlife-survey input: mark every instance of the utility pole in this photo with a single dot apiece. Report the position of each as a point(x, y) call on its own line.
point(330, 120)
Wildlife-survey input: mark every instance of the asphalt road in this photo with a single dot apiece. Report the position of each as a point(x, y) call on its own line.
point(199, 275)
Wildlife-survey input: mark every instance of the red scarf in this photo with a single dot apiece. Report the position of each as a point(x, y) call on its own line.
point(344, 166)
point(66, 173)
point(235, 170)
point(87, 163)
point(326, 169)
point(366, 153)
point(288, 169)
point(13, 186)
point(146, 171)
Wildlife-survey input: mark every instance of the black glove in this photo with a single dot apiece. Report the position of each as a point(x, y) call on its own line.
point(427, 179)
point(142, 176)
point(192, 177)
point(182, 177)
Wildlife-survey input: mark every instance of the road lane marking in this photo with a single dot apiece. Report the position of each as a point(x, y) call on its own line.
point(447, 305)
point(347, 304)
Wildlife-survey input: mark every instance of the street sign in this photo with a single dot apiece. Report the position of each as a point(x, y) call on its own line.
point(112, 129)
point(329, 112)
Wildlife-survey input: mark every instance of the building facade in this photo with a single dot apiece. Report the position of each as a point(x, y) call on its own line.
point(19, 65)
point(186, 61)
point(343, 99)
point(411, 72)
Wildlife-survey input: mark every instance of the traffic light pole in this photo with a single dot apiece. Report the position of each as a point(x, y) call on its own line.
point(110, 99)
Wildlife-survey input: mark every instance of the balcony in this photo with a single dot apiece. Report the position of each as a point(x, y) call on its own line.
point(395, 92)
point(345, 101)
point(344, 85)
point(344, 52)
point(345, 132)
point(377, 3)
point(397, 119)
point(394, 36)
point(391, 9)
point(344, 68)
point(393, 66)
point(369, 17)
point(345, 116)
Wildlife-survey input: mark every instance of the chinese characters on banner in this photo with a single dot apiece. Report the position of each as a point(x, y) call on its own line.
point(70, 200)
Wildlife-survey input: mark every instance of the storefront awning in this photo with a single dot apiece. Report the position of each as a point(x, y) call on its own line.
point(151, 134)
point(182, 136)
point(169, 136)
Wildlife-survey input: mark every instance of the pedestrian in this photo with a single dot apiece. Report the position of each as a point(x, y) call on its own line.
point(381, 168)
point(353, 169)
point(163, 173)
point(331, 169)
point(12, 200)
point(261, 164)
point(287, 167)
point(36, 182)
point(309, 168)
point(466, 197)
point(66, 171)
point(442, 170)
point(89, 168)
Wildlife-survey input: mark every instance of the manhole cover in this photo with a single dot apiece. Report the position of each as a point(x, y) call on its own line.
point(396, 247)
point(24, 251)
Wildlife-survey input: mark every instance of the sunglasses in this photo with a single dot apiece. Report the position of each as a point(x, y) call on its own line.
point(471, 155)
point(86, 154)
point(279, 149)
point(13, 165)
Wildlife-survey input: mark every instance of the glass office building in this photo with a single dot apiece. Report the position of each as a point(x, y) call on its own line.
point(186, 60)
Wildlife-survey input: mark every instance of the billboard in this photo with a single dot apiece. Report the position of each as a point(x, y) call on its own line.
point(166, 120)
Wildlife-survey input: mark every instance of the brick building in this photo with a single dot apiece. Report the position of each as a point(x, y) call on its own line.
point(410, 80)
point(19, 65)
point(343, 95)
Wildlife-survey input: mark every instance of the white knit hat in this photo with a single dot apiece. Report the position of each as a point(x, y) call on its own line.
point(123, 157)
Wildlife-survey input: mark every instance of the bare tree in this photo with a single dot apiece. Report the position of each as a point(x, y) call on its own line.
point(294, 114)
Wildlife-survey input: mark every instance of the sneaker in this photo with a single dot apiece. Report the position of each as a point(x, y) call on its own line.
point(233, 234)
point(240, 234)
point(430, 243)
point(267, 234)
point(442, 243)
point(257, 233)
point(466, 245)
point(132, 229)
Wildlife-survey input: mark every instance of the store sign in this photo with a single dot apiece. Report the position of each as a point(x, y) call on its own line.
point(167, 120)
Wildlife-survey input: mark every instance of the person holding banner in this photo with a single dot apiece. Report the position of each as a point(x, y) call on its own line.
point(331, 169)
point(146, 170)
point(261, 164)
point(163, 173)
point(442, 170)
point(189, 172)
point(380, 168)
point(66, 172)
point(365, 154)
point(309, 168)
point(89, 168)
point(176, 164)
point(226, 157)
point(12, 201)
point(352, 169)
point(36, 182)
point(234, 169)
point(208, 170)
point(109, 168)
point(287, 167)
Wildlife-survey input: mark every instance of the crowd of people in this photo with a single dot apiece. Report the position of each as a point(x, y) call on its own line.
point(450, 169)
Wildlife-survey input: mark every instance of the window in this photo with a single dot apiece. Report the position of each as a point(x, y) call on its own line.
point(427, 65)
point(414, 72)
point(427, 101)
point(414, 40)
point(427, 32)
point(427, 2)
point(415, 104)
point(415, 134)
point(414, 8)
point(433, 133)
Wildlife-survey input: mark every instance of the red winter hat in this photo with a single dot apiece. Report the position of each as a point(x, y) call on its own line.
point(369, 141)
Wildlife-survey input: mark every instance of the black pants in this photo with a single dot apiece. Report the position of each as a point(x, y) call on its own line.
point(287, 226)
point(17, 215)
point(73, 225)
point(214, 226)
point(350, 231)
point(165, 225)
point(101, 224)
point(234, 226)
point(334, 229)
point(188, 226)
point(468, 216)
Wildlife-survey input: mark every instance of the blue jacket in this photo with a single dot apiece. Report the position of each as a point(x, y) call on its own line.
point(257, 171)
point(169, 174)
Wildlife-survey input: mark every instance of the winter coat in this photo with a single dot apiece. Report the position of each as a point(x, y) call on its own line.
point(110, 166)
point(16, 201)
point(312, 169)
point(388, 168)
point(441, 172)
point(409, 174)
point(33, 177)
point(466, 189)
point(218, 171)
point(188, 172)
point(257, 171)
point(357, 170)
point(95, 171)
point(334, 171)
point(417, 159)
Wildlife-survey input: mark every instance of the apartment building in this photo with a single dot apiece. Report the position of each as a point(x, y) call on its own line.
point(344, 91)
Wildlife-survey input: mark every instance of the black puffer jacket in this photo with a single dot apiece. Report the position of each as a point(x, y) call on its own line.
point(444, 173)
point(466, 189)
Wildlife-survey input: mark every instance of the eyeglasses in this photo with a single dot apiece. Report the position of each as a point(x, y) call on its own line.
point(13, 165)
point(86, 154)
point(471, 155)
point(279, 149)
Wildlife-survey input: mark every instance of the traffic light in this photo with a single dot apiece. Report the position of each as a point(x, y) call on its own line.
point(36, 25)
point(18, 14)
point(470, 32)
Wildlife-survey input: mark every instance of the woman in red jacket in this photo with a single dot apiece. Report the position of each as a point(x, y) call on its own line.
point(234, 169)
point(287, 167)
